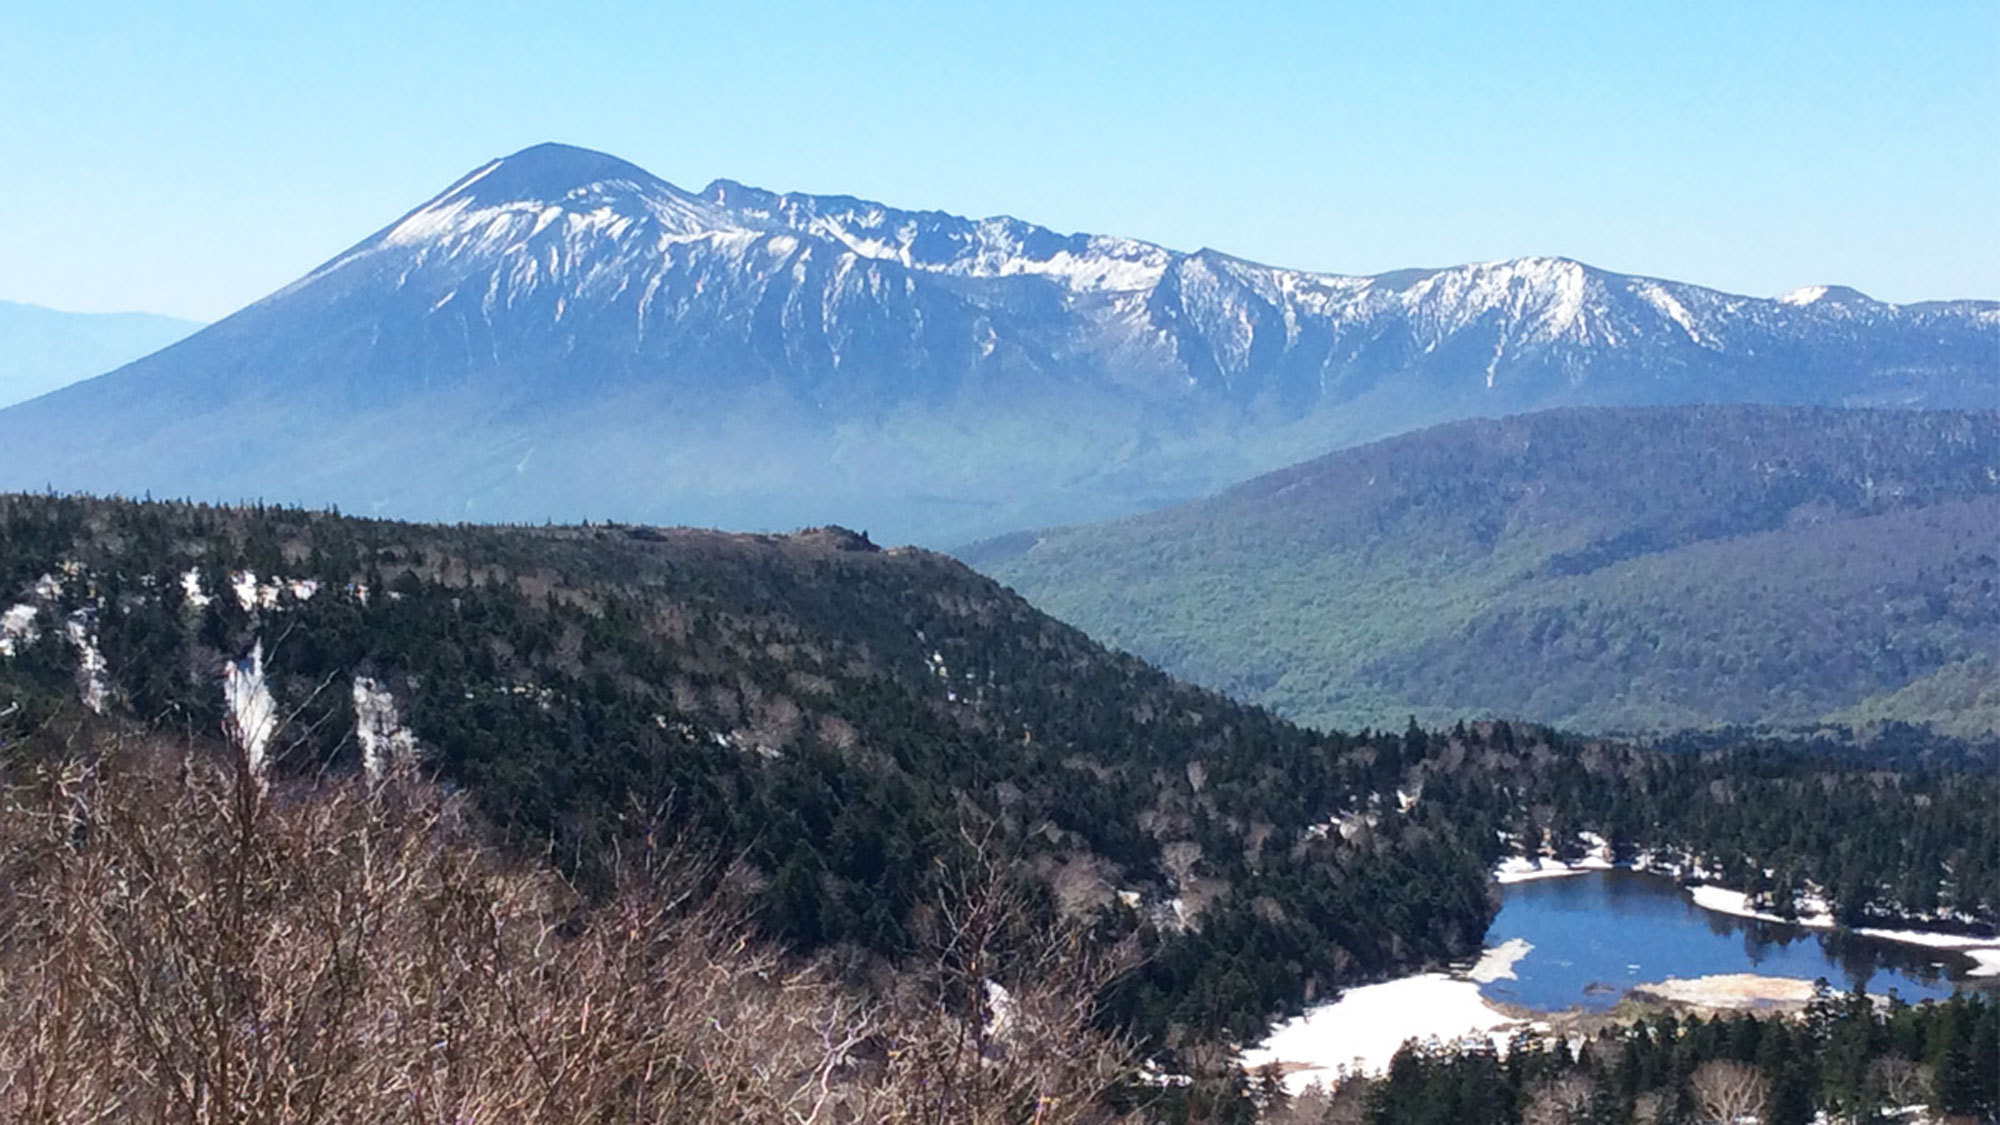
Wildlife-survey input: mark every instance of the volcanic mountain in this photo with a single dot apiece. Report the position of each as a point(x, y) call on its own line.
point(562, 335)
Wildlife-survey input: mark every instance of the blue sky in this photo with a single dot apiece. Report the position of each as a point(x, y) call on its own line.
point(188, 158)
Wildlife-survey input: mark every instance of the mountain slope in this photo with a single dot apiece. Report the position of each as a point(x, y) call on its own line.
point(562, 334)
point(1594, 568)
point(839, 720)
point(43, 349)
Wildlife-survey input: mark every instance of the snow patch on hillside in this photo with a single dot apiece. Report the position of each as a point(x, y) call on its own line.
point(1931, 939)
point(252, 715)
point(388, 748)
point(1657, 296)
point(1521, 869)
point(92, 673)
point(253, 594)
point(17, 628)
point(1540, 299)
point(1722, 900)
point(1984, 952)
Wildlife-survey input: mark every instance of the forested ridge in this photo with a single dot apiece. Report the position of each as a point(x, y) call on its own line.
point(843, 724)
point(1608, 570)
point(837, 716)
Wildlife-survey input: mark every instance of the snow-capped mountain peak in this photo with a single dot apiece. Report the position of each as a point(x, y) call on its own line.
point(519, 196)
point(551, 205)
point(561, 333)
point(548, 172)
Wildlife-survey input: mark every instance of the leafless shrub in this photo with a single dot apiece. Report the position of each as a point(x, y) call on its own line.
point(995, 1012)
point(179, 944)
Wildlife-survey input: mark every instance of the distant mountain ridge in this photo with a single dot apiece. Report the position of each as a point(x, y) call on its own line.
point(561, 334)
point(1601, 569)
point(42, 349)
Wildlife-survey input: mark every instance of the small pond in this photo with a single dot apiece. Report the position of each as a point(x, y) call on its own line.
point(1599, 933)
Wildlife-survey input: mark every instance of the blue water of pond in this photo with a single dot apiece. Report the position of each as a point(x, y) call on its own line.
point(1595, 935)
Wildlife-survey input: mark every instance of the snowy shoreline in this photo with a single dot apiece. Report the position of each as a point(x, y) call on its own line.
point(1361, 1031)
point(1521, 869)
point(1983, 951)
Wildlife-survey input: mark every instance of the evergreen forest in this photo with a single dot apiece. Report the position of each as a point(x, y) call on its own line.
point(842, 731)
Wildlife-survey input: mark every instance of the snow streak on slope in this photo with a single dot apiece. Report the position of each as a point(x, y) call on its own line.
point(590, 228)
point(936, 242)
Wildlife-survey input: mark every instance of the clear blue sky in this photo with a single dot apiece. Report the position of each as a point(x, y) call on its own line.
point(187, 158)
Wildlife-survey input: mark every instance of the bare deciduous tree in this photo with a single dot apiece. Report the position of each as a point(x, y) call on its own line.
point(1001, 1013)
point(1726, 1091)
point(1902, 1082)
point(1559, 1101)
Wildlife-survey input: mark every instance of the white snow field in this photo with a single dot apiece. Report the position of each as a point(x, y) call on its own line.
point(1360, 1032)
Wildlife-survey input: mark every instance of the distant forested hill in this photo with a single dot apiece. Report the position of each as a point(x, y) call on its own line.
point(1599, 569)
point(43, 349)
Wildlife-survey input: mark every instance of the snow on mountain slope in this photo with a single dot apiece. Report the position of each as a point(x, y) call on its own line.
point(562, 334)
point(939, 243)
point(587, 226)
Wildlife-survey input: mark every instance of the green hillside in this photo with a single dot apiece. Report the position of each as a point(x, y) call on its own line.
point(1599, 569)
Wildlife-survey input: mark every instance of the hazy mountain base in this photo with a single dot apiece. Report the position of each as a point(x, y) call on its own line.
point(45, 349)
point(749, 459)
point(1599, 569)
